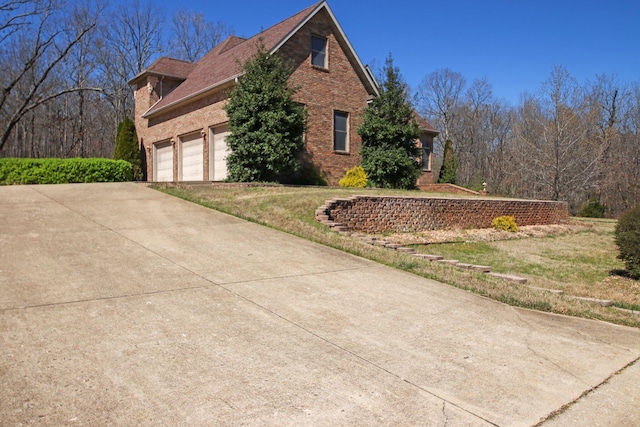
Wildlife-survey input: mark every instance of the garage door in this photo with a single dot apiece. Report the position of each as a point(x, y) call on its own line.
point(191, 158)
point(219, 154)
point(163, 159)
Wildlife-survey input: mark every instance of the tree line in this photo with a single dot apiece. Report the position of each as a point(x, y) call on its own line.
point(66, 65)
point(567, 141)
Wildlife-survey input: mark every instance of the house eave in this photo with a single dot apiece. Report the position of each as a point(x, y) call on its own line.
point(203, 92)
point(154, 73)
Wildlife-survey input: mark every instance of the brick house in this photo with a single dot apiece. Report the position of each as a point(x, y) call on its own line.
point(182, 125)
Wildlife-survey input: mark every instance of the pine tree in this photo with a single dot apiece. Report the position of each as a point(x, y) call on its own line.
point(389, 132)
point(266, 126)
point(449, 165)
point(127, 148)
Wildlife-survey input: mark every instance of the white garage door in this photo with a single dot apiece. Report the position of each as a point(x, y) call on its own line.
point(192, 160)
point(219, 153)
point(163, 162)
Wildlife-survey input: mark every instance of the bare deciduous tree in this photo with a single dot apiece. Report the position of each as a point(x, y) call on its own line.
point(471, 131)
point(37, 37)
point(193, 35)
point(438, 97)
point(553, 137)
point(129, 41)
point(618, 125)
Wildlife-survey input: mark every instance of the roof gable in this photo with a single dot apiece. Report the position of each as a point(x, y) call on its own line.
point(165, 66)
point(223, 64)
point(424, 124)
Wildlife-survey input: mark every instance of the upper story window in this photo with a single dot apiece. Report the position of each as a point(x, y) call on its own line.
point(340, 131)
point(426, 156)
point(319, 51)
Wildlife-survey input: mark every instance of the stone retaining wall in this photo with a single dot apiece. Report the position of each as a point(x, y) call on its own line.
point(379, 214)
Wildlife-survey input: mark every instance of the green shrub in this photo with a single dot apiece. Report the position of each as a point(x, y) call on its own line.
point(390, 168)
point(592, 209)
point(627, 237)
point(506, 223)
point(355, 177)
point(61, 171)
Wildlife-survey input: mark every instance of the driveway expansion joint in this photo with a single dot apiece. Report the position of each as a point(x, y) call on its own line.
point(357, 356)
point(585, 393)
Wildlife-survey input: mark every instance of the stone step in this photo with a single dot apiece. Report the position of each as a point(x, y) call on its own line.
point(406, 250)
point(429, 257)
point(481, 268)
point(448, 261)
point(509, 277)
point(626, 310)
point(393, 245)
point(553, 291)
point(602, 302)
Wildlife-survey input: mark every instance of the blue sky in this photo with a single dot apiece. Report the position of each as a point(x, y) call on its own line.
point(514, 44)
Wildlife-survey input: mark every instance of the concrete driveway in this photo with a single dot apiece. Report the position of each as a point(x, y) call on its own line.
point(120, 305)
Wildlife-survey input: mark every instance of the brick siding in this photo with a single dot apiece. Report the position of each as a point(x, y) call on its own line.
point(378, 214)
point(322, 91)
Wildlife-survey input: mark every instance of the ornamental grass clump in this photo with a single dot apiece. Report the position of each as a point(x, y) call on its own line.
point(355, 177)
point(627, 237)
point(506, 223)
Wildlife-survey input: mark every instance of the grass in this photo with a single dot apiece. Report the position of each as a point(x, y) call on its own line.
point(579, 264)
point(570, 261)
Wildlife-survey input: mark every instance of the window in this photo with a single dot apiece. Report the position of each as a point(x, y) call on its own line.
point(340, 131)
point(426, 156)
point(319, 51)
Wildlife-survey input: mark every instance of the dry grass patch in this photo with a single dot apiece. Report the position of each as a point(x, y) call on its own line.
point(577, 258)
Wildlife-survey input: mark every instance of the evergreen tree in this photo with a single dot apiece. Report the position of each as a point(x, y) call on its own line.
point(127, 148)
point(627, 237)
point(449, 165)
point(266, 126)
point(389, 132)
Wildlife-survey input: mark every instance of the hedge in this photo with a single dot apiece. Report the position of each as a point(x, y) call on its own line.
point(62, 171)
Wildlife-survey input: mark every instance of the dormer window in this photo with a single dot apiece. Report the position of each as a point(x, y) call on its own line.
point(319, 51)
